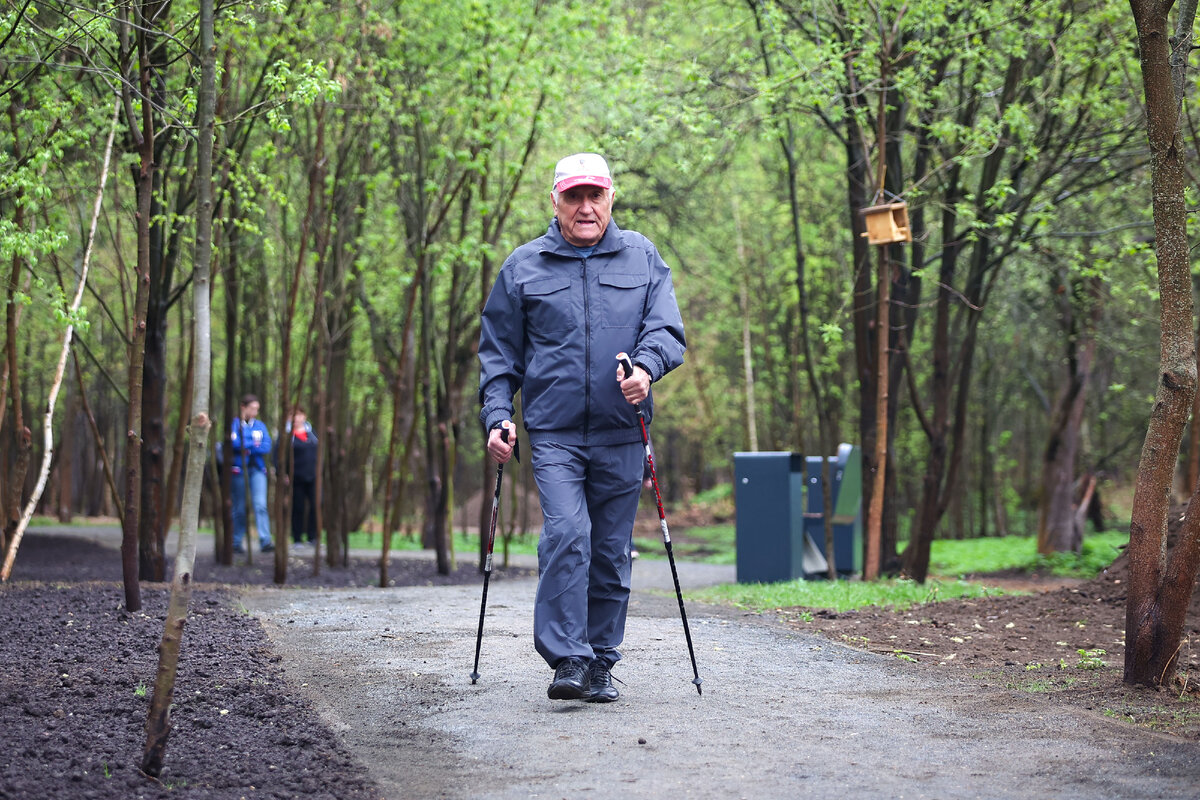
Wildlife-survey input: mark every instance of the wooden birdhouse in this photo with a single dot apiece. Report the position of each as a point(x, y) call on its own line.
point(887, 224)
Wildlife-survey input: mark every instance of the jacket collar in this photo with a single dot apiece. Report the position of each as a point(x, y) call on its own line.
point(553, 241)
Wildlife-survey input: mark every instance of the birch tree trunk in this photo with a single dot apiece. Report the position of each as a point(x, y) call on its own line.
point(158, 722)
point(61, 368)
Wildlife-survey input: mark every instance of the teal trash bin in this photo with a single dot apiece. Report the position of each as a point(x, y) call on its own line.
point(769, 492)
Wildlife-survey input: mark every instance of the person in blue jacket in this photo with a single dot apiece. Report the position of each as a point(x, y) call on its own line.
point(249, 446)
point(562, 308)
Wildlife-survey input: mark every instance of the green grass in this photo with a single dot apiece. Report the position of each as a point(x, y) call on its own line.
point(721, 493)
point(953, 558)
point(994, 554)
point(42, 521)
point(713, 544)
point(463, 542)
point(840, 595)
point(949, 558)
point(717, 544)
point(710, 544)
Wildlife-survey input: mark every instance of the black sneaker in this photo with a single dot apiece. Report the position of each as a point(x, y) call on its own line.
point(601, 683)
point(267, 548)
point(570, 680)
point(237, 548)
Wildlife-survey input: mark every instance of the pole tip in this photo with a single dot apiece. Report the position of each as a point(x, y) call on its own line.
point(474, 677)
point(699, 681)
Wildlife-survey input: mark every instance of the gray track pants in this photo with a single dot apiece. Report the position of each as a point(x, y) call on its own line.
point(589, 500)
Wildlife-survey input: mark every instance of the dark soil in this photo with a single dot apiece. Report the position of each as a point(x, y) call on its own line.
point(78, 672)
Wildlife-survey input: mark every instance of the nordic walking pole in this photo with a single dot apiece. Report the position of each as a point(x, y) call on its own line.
point(627, 365)
point(487, 564)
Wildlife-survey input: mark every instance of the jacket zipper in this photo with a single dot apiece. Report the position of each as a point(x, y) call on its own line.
point(587, 354)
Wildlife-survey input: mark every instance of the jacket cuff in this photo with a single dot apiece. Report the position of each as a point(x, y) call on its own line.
point(648, 362)
point(494, 419)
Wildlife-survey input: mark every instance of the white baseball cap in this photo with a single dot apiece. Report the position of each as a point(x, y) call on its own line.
point(582, 169)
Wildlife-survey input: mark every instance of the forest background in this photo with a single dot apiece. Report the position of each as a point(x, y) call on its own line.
point(375, 163)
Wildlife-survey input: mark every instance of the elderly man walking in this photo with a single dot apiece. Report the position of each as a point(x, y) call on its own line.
point(563, 306)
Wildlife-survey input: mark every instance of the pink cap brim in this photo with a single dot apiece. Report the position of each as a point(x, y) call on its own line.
point(583, 180)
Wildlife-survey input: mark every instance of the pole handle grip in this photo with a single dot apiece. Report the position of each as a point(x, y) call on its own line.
point(626, 363)
point(504, 431)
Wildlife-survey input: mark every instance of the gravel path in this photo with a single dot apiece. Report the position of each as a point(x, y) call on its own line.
point(783, 714)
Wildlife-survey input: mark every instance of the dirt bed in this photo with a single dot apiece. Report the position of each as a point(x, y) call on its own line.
point(78, 671)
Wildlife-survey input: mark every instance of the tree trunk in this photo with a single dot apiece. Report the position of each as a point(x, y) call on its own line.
point(389, 475)
point(747, 348)
point(1191, 475)
point(319, 483)
point(287, 407)
point(951, 378)
point(179, 438)
point(865, 348)
point(158, 724)
point(401, 384)
point(329, 457)
point(1058, 531)
point(434, 535)
point(1160, 587)
point(164, 234)
point(340, 471)
point(916, 555)
point(60, 371)
point(873, 534)
point(233, 299)
point(137, 349)
point(151, 558)
point(66, 459)
point(321, 384)
point(109, 473)
point(15, 480)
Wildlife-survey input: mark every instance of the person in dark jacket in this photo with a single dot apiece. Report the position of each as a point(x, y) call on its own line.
point(303, 479)
point(562, 308)
point(249, 446)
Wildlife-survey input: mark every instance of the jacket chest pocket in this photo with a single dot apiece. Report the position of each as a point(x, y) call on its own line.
point(549, 307)
point(623, 299)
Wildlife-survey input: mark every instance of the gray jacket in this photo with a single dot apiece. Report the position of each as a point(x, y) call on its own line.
point(552, 328)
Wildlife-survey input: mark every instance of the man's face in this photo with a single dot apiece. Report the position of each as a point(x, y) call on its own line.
point(583, 213)
point(298, 421)
point(250, 410)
